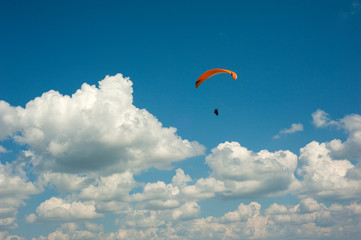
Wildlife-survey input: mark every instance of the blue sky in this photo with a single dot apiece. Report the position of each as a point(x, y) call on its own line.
point(137, 152)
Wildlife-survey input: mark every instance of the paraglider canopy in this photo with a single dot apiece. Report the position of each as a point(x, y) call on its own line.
point(211, 73)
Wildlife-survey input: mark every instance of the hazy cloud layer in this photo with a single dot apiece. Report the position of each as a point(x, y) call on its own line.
point(3, 149)
point(305, 220)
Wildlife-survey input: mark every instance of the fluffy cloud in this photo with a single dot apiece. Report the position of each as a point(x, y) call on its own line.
point(351, 148)
point(65, 182)
point(182, 190)
point(95, 129)
point(114, 187)
point(158, 195)
point(14, 189)
point(249, 174)
point(308, 219)
point(180, 178)
point(187, 211)
point(351, 124)
point(109, 193)
point(295, 127)
point(327, 178)
point(204, 188)
point(57, 209)
point(320, 119)
point(73, 231)
point(326, 168)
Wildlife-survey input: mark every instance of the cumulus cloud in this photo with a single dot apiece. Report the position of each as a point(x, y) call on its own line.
point(74, 231)
point(143, 219)
point(249, 174)
point(187, 211)
point(351, 148)
point(325, 169)
point(307, 219)
point(351, 124)
point(180, 178)
point(327, 178)
point(113, 187)
point(14, 189)
point(295, 127)
point(204, 188)
point(158, 195)
point(96, 129)
point(57, 209)
point(65, 182)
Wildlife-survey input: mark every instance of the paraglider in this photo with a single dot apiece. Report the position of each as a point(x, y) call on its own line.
point(211, 73)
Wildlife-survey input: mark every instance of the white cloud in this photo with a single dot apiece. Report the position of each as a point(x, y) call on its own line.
point(158, 195)
point(94, 130)
point(351, 148)
point(115, 207)
point(14, 189)
point(57, 209)
point(8, 119)
point(65, 182)
point(243, 213)
point(320, 119)
point(109, 194)
point(308, 219)
point(324, 177)
point(180, 178)
point(13, 185)
point(204, 188)
point(74, 232)
point(113, 187)
point(143, 219)
point(189, 210)
point(249, 174)
point(295, 127)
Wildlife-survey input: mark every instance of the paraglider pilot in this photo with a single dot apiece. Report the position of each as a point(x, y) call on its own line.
point(216, 111)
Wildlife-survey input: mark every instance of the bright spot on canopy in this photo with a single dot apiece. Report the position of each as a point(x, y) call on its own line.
point(211, 73)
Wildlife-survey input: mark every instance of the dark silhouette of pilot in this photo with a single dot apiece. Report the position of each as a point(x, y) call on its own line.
point(216, 111)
